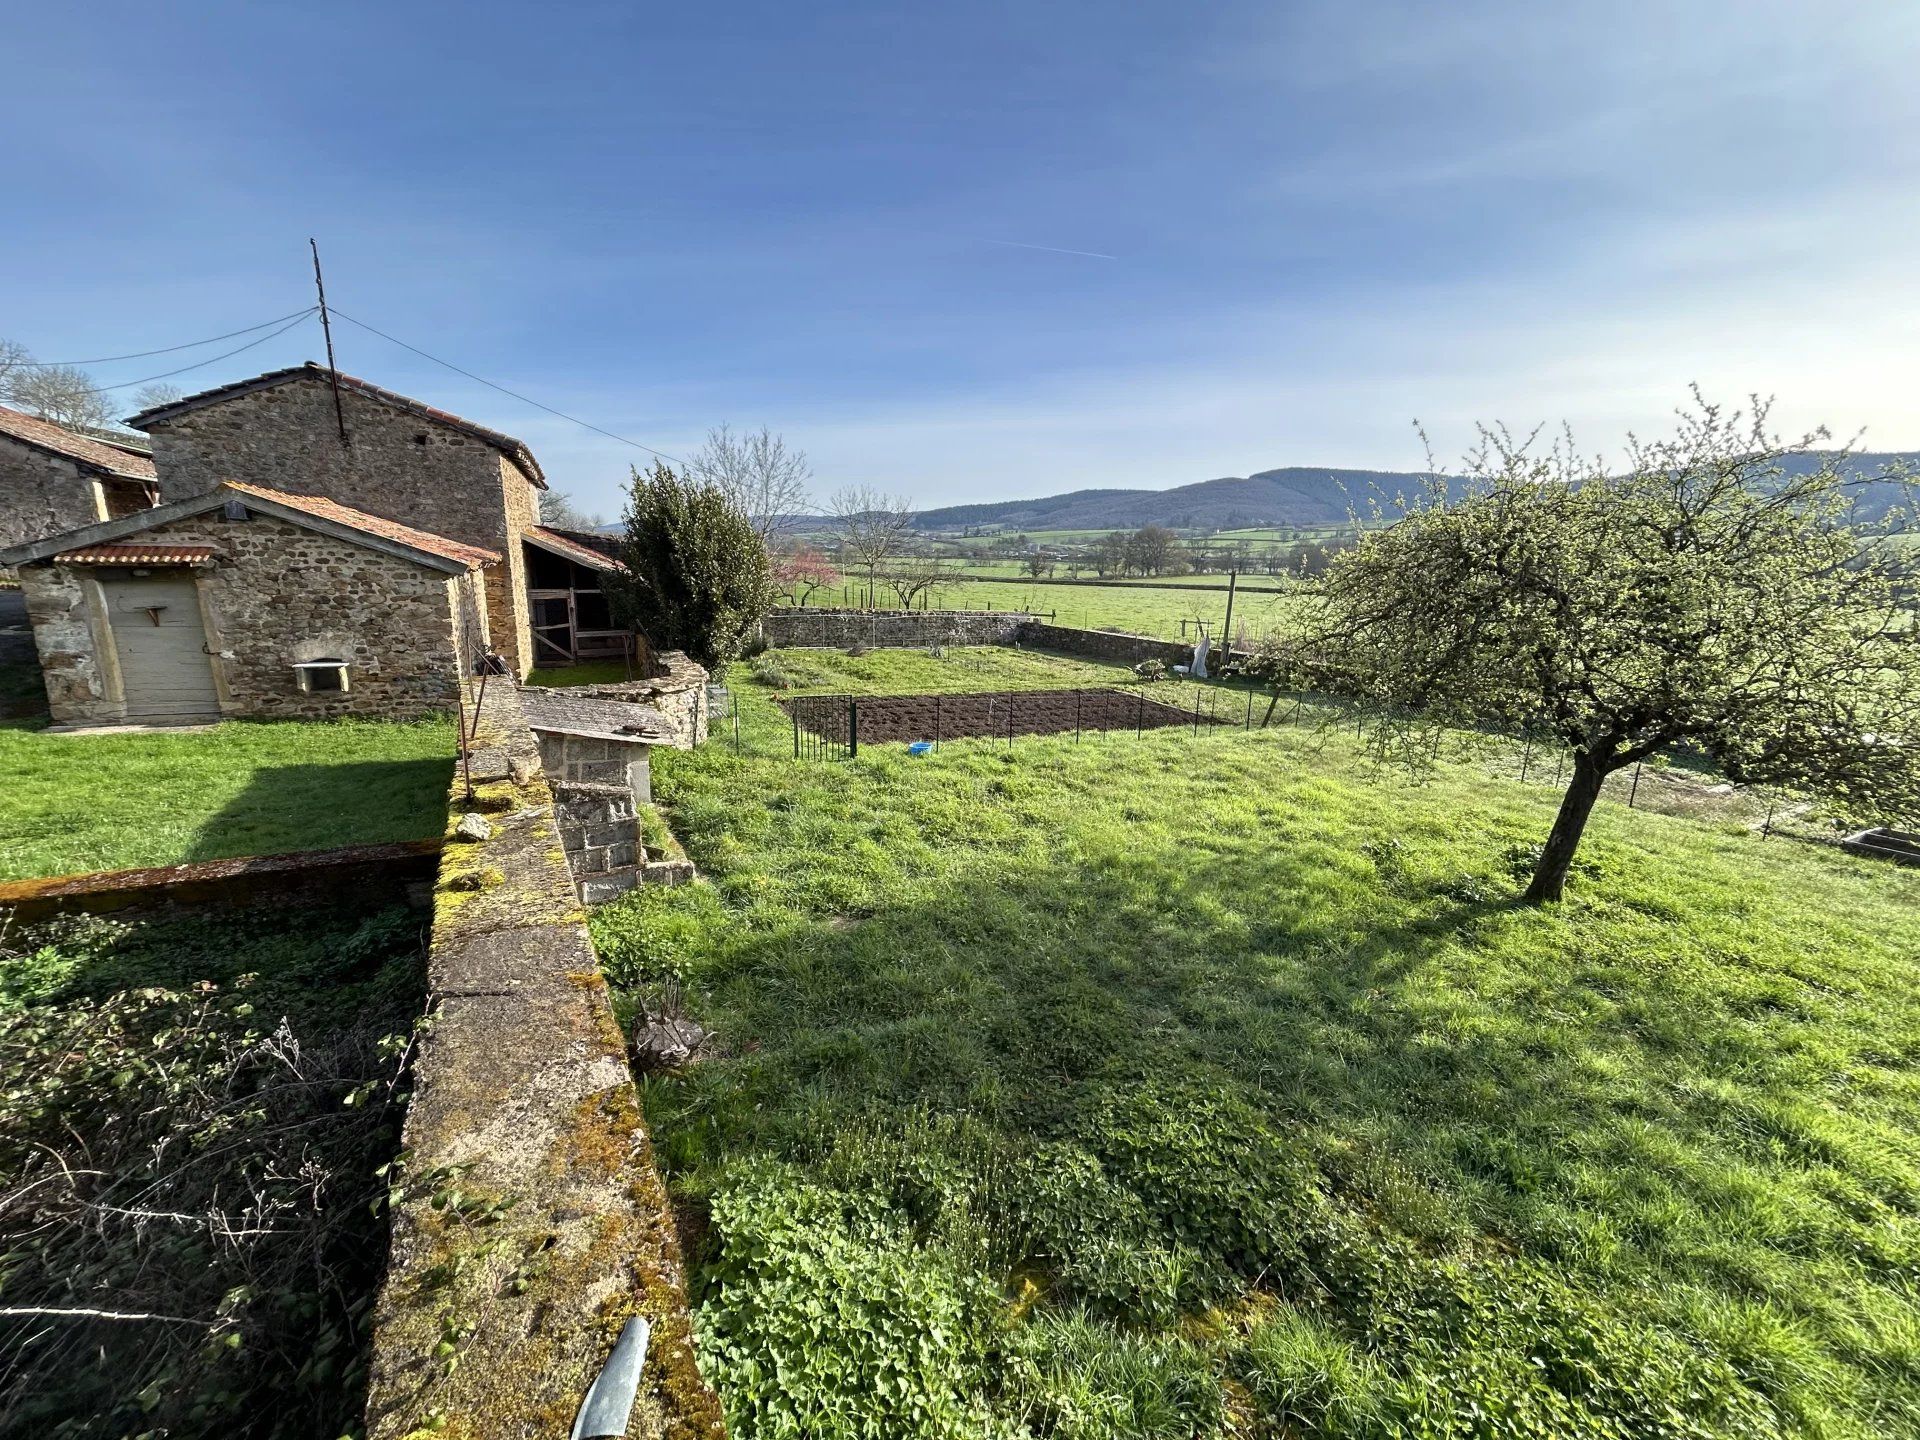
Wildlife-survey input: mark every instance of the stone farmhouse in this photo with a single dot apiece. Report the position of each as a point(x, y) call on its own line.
point(53, 478)
point(302, 560)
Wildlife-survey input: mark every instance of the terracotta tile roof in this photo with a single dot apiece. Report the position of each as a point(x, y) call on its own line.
point(472, 556)
point(95, 455)
point(514, 450)
point(138, 555)
point(573, 550)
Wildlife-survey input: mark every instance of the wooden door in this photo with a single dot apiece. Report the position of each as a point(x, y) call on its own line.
point(161, 645)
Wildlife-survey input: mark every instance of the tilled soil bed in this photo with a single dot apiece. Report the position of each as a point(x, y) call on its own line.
point(998, 713)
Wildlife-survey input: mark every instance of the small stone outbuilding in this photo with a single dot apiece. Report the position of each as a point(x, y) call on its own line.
point(309, 431)
point(244, 601)
point(54, 479)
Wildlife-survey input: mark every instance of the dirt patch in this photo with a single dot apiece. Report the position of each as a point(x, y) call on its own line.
point(991, 714)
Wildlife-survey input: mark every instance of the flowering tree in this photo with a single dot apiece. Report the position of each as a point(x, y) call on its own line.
point(801, 571)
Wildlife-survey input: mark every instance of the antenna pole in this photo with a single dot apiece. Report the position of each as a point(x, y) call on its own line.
point(326, 328)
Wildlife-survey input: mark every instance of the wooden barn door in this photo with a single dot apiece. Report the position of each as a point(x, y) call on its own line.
point(161, 645)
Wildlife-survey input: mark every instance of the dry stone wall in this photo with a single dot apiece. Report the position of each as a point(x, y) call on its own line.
point(890, 629)
point(882, 718)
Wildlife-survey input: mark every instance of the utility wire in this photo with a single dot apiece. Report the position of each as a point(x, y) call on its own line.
point(169, 374)
point(524, 399)
point(166, 349)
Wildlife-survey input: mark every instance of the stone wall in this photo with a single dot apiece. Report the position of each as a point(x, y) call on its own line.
point(890, 629)
point(398, 464)
point(677, 690)
point(279, 594)
point(1000, 713)
point(497, 1314)
point(42, 494)
point(1109, 645)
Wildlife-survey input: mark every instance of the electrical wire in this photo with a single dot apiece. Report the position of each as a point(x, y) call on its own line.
point(524, 399)
point(166, 349)
point(199, 365)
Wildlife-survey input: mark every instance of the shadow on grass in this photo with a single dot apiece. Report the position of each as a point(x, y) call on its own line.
point(286, 808)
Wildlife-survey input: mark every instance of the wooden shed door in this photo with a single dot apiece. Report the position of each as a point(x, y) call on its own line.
point(161, 645)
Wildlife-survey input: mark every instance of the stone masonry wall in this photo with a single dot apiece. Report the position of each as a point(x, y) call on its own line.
point(883, 718)
point(677, 691)
point(890, 629)
point(279, 594)
point(41, 494)
point(1108, 645)
point(399, 465)
point(496, 1314)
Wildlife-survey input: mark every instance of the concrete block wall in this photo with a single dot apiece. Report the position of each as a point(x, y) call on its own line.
point(599, 785)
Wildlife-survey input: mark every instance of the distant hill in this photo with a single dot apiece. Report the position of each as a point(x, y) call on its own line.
point(1296, 495)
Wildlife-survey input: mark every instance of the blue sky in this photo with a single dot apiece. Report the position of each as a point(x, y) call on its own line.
point(1324, 220)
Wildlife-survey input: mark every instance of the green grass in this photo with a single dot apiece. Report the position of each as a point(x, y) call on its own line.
point(916, 672)
point(76, 803)
point(1154, 1087)
point(1140, 609)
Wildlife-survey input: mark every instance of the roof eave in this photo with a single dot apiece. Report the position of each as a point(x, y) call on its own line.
point(105, 531)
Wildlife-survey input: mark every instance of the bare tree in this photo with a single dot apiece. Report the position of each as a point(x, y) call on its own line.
point(60, 393)
point(557, 509)
point(873, 526)
point(911, 576)
point(14, 358)
point(758, 473)
point(153, 396)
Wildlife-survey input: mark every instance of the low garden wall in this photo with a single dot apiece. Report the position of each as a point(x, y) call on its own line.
point(881, 718)
point(398, 873)
point(676, 692)
point(531, 1223)
point(890, 629)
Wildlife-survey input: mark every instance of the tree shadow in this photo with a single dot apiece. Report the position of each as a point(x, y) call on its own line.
point(287, 808)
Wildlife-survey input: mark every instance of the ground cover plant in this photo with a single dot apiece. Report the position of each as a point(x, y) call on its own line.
point(1154, 1087)
point(195, 1117)
point(75, 803)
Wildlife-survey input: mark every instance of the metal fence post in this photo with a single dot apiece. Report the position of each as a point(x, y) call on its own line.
point(1077, 696)
point(853, 729)
point(796, 735)
point(1634, 789)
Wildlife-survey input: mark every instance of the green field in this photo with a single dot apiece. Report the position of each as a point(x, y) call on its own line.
point(80, 802)
point(1141, 609)
point(1168, 1087)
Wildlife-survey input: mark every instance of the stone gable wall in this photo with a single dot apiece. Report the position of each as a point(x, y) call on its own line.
point(279, 594)
point(399, 465)
point(42, 494)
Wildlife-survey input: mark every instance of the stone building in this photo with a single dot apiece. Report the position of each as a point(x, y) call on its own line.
point(399, 459)
point(53, 478)
point(248, 601)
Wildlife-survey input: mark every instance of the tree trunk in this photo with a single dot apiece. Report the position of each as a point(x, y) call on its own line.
point(1590, 772)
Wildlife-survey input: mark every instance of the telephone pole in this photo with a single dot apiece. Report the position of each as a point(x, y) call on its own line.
point(326, 329)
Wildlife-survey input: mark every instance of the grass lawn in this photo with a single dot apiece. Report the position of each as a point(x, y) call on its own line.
point(1162, 1087)
point(107, 802)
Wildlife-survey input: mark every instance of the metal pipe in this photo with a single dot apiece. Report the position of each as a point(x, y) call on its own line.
point(608, 1404)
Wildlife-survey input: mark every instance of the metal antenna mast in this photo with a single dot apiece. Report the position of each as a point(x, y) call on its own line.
point(326, 328)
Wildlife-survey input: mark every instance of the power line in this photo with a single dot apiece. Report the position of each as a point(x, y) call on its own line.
point(200, 365)
point(164, 350)
point(524, 399)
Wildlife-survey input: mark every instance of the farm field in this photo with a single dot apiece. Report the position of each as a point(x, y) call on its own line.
point(1141, 609)
point(108, 802)
point(1169, 1087)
